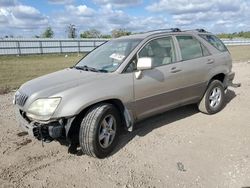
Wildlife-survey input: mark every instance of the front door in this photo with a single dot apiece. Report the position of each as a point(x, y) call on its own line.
point(157, 89)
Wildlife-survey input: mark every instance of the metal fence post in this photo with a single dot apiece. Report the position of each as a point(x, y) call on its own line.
point(79, 50)
point(41, 47)
point(18, 47)
point(60, 45)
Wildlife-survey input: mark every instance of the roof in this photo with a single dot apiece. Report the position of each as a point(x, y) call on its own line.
point(161, 31)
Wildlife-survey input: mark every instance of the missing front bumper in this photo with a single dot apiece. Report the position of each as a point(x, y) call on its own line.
point(46, 132)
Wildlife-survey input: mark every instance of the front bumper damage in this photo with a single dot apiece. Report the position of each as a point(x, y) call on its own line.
point(45, 131)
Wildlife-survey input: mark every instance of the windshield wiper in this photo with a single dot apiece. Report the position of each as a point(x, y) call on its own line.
point(86, 68)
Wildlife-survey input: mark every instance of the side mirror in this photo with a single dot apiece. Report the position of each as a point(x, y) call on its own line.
point(144, 63)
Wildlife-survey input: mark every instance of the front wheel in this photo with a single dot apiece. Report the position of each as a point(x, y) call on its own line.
point(213, 99)
point(99, 130)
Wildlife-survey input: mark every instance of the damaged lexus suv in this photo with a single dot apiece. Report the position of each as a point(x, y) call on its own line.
point(121, 82)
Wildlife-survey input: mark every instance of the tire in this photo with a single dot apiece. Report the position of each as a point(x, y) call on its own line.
point(214, 98)
point(99, 130)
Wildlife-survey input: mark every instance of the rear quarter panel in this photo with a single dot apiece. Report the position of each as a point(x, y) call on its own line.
point(223, 60)
point(223, 64)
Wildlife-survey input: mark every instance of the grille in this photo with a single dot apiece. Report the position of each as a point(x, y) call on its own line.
point(20, 98)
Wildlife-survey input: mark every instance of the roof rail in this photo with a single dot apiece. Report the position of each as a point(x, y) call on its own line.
point(201, 30)
point(166, 30)
point(198, 30)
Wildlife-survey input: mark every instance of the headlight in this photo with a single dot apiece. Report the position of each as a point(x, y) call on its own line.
point(14, 97)
point(42, 109)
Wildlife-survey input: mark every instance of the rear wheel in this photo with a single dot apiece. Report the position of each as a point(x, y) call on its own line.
point(214, 98)
point(100, 130)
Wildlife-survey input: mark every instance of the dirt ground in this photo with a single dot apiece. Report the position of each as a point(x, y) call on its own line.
point(180, 148)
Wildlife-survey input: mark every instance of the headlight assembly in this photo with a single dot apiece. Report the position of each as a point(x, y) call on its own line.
point(43, 109)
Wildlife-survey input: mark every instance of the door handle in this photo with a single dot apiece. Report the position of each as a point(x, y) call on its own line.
point(175, 70)
point(210, 61)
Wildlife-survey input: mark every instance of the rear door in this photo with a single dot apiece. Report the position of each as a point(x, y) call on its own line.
point(195, 63)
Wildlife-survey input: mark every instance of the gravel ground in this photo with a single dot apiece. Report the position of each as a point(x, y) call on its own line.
point(180, 148)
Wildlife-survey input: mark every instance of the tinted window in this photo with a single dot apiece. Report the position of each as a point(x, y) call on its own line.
point(191, 48)
point(161, 51)
point(214, 41)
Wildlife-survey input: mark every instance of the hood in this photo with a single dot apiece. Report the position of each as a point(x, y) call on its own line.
point(56, 82)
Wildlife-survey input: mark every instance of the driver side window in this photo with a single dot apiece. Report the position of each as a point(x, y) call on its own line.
point(161, 51)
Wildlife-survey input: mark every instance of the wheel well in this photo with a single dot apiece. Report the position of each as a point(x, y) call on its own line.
point(219, 77)
point(73, 132)
point(118, 105)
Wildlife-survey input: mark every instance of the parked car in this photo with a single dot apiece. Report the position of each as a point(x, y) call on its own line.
point(123, 81)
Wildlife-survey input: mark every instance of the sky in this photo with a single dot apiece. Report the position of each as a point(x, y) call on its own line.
point(28, 18)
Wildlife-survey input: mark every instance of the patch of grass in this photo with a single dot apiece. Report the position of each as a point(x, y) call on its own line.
point(15, 70)
point(240, 53)
point(4, 90)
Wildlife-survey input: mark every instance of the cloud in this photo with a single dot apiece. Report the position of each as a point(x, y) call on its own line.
point(21, 20)
point(194, 6)
point(7, 3)
point(27, 17)
point(3, 16)
point(214, 15)
point(141, 24)
point(118, 3)
point(61, 1)
point(228, 5)
point(26, 12)
point(81, 15)
point(104, 19)
point(180, 6)
point(81, 10)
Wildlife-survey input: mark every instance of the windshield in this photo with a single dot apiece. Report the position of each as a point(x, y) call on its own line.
point(109, 56)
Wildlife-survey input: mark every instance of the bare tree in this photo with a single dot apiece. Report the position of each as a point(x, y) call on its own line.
point(71, 30)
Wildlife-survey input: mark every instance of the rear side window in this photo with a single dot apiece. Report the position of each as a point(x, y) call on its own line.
point(191, 48)
point(214, 41)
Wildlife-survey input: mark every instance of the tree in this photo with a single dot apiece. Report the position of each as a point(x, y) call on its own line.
point(106, 36)
point(71, 30)
point(120, 32)
point(241, 34)
point(93, 33)
point(48, 33)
